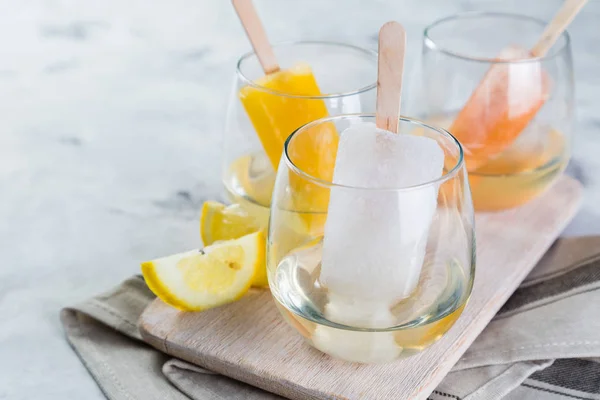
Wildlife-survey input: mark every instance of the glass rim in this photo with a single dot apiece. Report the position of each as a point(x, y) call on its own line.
point(433, 45)
point(451, 173)
point(250, 82)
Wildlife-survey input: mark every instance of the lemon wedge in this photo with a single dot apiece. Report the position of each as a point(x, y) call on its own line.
point(220, 222)
point(199, 280)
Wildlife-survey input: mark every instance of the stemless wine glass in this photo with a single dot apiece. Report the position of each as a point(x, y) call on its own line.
point(516, 129)
point(429, 282)
point(260, 118)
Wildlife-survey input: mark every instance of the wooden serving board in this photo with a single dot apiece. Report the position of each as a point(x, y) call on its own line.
point(249, 341)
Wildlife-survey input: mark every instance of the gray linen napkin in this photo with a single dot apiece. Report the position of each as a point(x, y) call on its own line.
point(543, 344)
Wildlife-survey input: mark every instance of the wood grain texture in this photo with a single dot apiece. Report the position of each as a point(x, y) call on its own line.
point(249, 340)
point(555, 28)
point(256, 34)
point(390, 68)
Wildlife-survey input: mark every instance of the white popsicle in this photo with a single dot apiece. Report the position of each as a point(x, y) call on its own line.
point(374, 242)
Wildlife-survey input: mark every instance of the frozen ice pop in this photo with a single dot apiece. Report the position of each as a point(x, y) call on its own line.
point(375, 240)
point(509, 96)
point(500, 108)
point(281, 102)
point(276, 116)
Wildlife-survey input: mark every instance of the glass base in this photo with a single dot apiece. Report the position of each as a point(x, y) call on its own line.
point(419, 320)
point(500, 192)
point(521, 172)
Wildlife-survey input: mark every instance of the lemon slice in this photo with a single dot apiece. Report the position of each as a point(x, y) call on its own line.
point(199, 280)
point(220, 222)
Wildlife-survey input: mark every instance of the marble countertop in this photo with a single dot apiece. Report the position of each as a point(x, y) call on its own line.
point(111, 115)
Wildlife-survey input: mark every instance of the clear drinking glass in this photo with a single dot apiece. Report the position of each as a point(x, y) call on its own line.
point(529, 121)
point(430, 280)
point(346, 77)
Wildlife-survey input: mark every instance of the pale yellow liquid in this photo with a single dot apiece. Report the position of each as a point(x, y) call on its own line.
point(411, 340)
point(249, 182)
point(519, 175)
point(422, 318)
point(521, 172)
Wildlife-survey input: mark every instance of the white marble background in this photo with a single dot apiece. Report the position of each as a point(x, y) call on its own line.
point(111, 114)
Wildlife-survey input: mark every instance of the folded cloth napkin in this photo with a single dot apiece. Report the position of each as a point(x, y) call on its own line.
point(543, 344)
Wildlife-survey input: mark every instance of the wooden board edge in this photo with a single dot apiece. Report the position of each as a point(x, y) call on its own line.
point(452, 357)
point(145, 329)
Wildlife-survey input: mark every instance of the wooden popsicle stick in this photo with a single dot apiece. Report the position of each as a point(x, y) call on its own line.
point(555, 28)
point(256, 34)
point(390, 67)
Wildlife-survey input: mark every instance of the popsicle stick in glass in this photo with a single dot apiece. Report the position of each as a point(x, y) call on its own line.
point(509, 96)
point(278, 104)
point(375, 241)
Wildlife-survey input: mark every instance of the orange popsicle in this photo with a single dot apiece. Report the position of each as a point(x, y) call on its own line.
point(276, 111)
point(278, 104)
point(509, 96)
point(275, 116)
point(504, 102)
